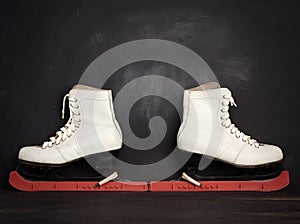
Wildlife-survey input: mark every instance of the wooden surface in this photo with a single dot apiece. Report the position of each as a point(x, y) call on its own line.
point(147, 207)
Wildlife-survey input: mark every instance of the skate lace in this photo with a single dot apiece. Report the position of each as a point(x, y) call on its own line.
point(70, 127)
point(226, 122)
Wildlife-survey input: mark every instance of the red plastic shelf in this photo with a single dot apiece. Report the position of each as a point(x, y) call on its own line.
point(275, 184)
point(18, 182)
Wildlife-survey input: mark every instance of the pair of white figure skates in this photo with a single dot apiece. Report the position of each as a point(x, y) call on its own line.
point(206, 130)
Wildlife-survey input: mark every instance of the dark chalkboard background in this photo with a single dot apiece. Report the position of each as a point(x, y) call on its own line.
point(252, 46)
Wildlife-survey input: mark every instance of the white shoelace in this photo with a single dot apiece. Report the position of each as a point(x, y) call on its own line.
point(111, 177)
point(191, 180)
point(70, 127)
point(227, 122)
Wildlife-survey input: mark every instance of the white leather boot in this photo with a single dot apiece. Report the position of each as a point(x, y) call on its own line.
point(92, 128)
point(206, 129)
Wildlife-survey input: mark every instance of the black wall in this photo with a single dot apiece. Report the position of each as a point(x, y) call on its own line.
point(252, 46)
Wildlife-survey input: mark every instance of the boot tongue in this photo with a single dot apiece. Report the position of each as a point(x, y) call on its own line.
point(211, 86)
point(73, 92)
point(226, 91)
point(207, 86)
point(80, 90)
point(88, 92)
point(84, 87)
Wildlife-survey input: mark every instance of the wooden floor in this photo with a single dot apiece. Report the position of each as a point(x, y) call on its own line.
point(147, 207)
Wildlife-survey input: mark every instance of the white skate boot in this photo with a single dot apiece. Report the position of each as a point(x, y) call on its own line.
point(92, 128)
point(207, 130)
point(79, 157)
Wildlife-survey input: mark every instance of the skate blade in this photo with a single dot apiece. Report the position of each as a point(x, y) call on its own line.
point(20, 183)
point(274, 184)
